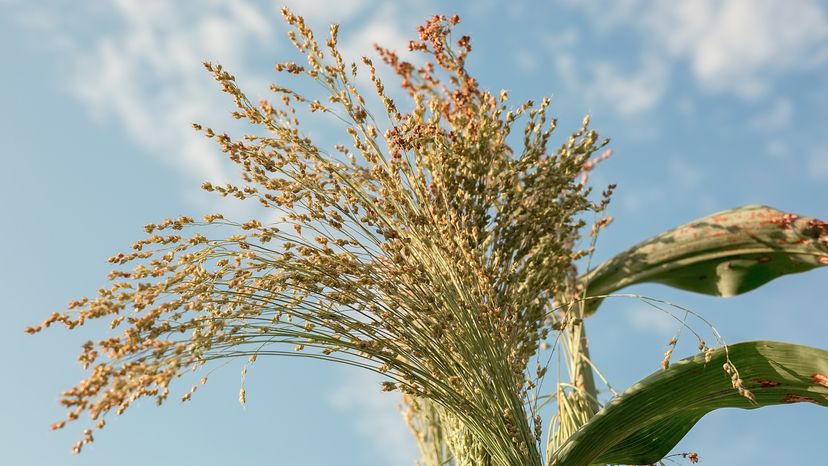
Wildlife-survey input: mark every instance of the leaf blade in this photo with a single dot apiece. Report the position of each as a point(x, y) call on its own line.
point(645, 422)
point(724, 254)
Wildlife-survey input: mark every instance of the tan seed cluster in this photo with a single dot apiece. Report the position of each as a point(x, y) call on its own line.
point(426, 247)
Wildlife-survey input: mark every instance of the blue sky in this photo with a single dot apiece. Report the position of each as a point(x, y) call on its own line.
point(709, 104)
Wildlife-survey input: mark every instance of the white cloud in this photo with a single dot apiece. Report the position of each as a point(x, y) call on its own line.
point(818, 164)
point(147, 76)
point(340, 10)
point(390, 25)
point(686, 106)
point(562, 39)
point(566, 69)
point(527, 61)
point(38, 19)
point(41, 22)
point(383, 27)
point(739, 47)
point(604, 83)
point(778, 116)
point(376, 417)
point(610, 13)
point(652, 321)
point(777, 148)
point(137, 67)
point(143, 71)
point(630, 93)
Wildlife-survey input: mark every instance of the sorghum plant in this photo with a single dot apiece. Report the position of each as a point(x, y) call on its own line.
point(437, 249)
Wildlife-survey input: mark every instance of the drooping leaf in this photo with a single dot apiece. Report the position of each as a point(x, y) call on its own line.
point(724, 254)
point(645, 422)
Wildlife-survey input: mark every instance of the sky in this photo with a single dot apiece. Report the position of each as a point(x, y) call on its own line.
point(709, 105)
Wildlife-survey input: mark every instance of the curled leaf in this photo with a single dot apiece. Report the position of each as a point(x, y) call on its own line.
point(724, 254)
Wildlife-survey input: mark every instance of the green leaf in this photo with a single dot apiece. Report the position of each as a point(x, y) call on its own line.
point(724, 254)
point(644, 423)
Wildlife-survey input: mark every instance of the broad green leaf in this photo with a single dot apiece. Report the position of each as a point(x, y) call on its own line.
point(724, 254)
point(645, 422)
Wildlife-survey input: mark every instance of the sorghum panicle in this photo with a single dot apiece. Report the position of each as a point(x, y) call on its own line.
point(425, 247)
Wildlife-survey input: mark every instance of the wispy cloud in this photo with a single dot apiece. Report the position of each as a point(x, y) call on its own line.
point(632, 92)
point(741, 46)
point(777, 116)
point(777, 148)
point(326, 11)
point(652, 321)
point(381, 27)
point(526, 60)
point(738, 47)
point(818, 164)
point(144, 74)
point(612, 85)
point(147, 76)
